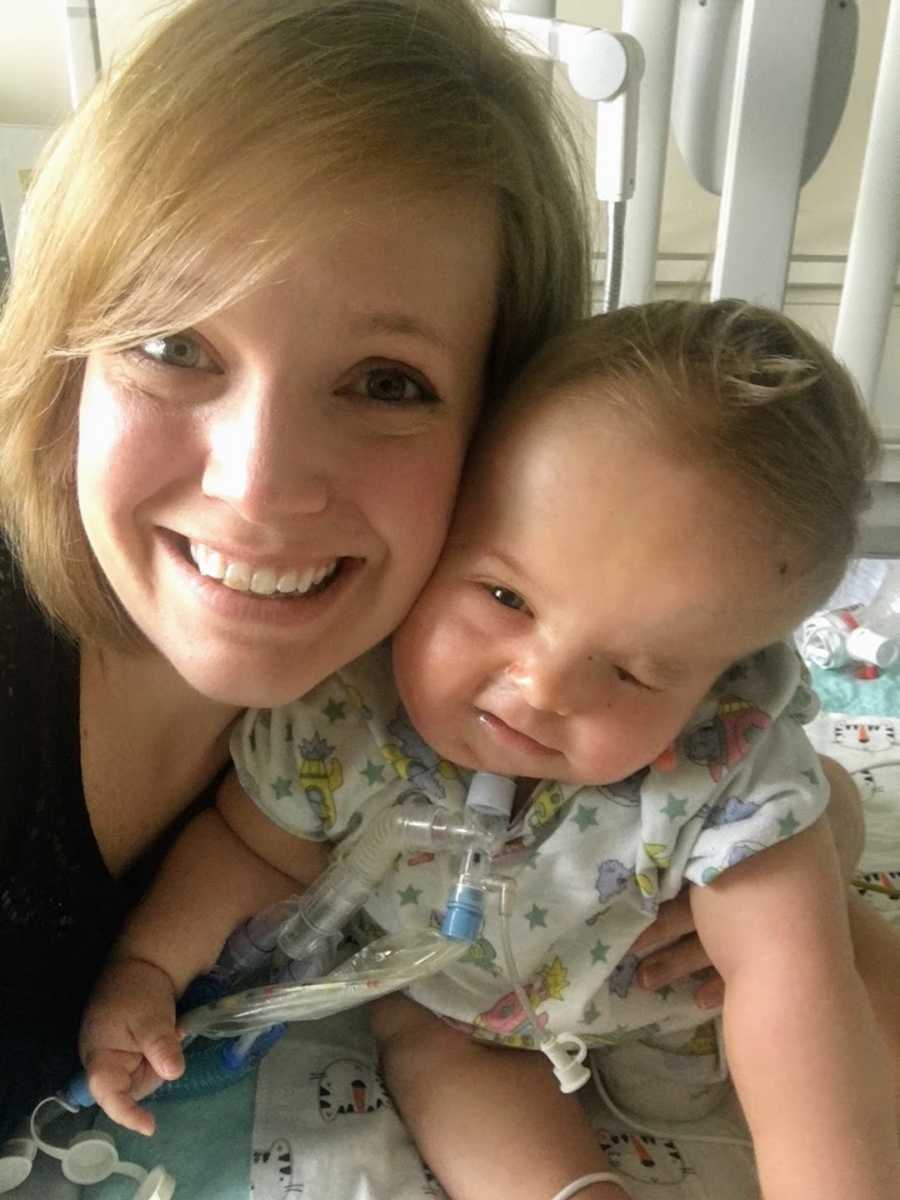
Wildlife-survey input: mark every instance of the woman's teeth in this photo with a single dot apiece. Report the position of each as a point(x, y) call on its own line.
point(262, 581)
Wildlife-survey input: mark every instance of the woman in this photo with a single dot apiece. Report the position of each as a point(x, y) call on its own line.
point(267, 273)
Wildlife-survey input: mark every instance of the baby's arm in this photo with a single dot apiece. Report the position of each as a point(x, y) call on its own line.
point(807, 1061)
point(230, 862)
point(670, 949)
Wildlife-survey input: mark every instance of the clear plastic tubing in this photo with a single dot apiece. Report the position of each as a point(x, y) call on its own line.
point(384, 966)
point(391, 962)
point(338, 894)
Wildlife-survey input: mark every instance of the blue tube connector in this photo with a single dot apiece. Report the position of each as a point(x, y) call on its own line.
point(77, 1094)
point(213, 1065)
point(464, 913)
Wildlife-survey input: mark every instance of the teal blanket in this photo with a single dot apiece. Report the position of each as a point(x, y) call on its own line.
point(841, 692)
point(204, 1142)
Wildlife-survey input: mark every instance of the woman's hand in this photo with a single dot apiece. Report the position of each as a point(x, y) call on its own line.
point(671, 950)
point(128, 1041)
point(670, 947)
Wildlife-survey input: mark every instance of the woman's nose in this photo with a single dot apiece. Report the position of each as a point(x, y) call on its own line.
point(268, 458)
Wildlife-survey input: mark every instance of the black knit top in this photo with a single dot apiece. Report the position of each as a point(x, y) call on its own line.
point(60, 908)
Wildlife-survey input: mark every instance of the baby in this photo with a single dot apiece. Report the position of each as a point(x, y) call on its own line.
point(670, 490)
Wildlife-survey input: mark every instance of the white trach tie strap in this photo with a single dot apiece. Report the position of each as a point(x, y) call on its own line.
point(578, 1185)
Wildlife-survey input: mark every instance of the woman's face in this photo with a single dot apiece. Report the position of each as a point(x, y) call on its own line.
point(267, 492)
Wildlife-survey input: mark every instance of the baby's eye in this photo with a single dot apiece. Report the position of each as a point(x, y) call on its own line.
point(627, 677)
point(507, 598)
point(176, 350)
point(396, 388)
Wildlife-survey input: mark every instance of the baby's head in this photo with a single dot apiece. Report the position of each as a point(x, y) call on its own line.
point(669, 488)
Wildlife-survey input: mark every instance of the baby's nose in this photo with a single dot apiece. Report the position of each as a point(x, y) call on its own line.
point(561, 687)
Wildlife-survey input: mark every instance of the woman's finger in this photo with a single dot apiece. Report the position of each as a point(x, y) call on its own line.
point(673, 921)
point(711, 992)
point(674, 962)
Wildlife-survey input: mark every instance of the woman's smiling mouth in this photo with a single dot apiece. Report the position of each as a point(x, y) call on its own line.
point(276, 582)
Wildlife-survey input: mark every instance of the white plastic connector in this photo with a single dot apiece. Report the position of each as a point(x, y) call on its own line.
point(491, 794)
point(16, 1156)
point(92, 1157)
point(159, 1185)
point(567, 1052)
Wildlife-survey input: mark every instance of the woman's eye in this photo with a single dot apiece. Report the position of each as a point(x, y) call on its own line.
point(396, 388)
point(507, 598)
point(176, 350)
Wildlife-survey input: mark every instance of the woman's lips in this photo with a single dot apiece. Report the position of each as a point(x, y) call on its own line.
point(246, 607)
point(511, 737)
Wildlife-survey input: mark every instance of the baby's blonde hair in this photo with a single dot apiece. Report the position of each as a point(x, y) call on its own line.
point(740, 390)
point(238, 116)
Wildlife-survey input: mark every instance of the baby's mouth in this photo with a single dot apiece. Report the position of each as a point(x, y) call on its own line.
point(277, 583)
point(511, 733)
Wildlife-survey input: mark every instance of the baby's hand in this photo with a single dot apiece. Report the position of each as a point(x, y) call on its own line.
point(128, 1042)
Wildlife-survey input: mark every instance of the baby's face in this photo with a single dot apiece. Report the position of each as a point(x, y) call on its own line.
point(591, 591)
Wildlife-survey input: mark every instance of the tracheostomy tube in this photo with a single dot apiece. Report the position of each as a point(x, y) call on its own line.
point(314, 920)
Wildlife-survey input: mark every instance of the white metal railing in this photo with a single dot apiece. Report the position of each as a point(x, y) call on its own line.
point(874, 252)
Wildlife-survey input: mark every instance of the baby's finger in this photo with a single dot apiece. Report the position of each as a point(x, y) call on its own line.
point(161, 1047)
point(109, 1077)
point(673, 921)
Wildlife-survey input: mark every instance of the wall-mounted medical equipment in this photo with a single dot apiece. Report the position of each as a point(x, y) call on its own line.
point(605, 68)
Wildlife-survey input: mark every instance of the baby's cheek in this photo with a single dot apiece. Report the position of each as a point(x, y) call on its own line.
point(636, 739)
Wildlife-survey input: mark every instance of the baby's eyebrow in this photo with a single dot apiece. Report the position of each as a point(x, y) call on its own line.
point(667, 671)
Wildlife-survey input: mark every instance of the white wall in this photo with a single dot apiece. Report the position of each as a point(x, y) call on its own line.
point(32, 66)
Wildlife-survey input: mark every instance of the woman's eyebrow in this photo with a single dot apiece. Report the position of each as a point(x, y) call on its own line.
point(399, 323)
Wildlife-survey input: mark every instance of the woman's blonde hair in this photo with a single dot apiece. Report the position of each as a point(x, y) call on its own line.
point(749, 394)
point(236, 115)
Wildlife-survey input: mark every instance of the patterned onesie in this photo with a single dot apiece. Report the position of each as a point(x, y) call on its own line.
point(591, 863)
